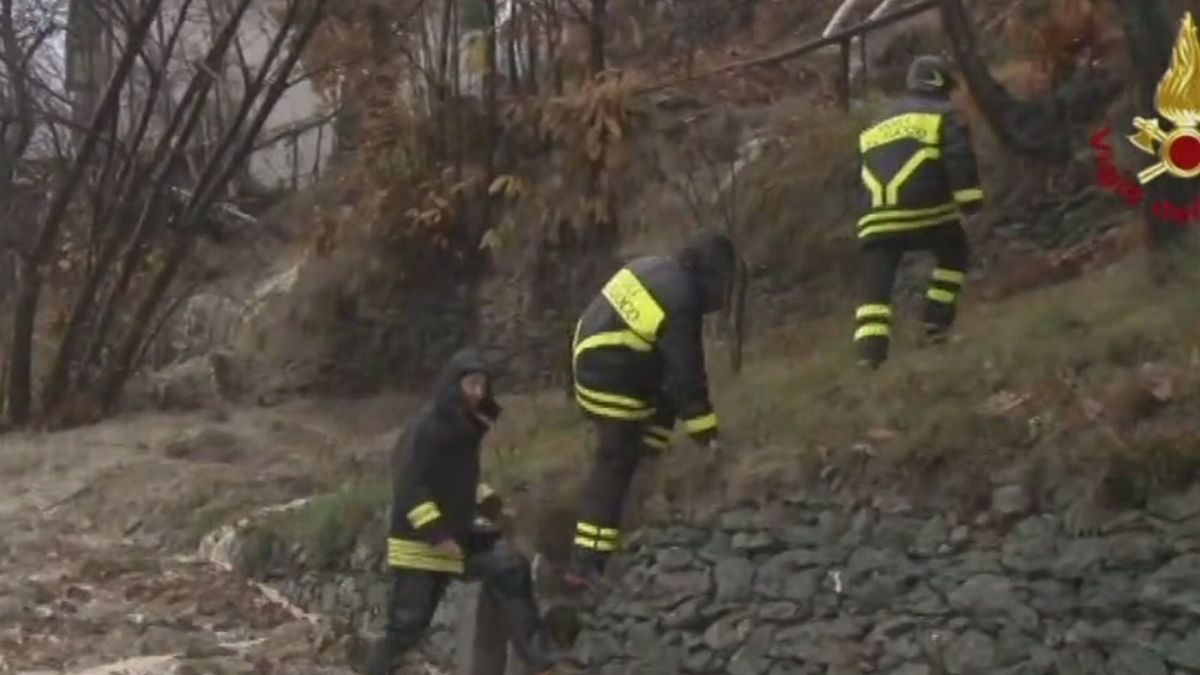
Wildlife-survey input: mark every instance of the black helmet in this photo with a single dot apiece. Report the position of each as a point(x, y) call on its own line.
point(929, 74)
point(710, 258)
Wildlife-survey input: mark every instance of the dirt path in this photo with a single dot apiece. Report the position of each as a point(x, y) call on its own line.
point(96, 567)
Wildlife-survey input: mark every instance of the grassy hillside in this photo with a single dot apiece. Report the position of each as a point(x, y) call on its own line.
point(1091, 384)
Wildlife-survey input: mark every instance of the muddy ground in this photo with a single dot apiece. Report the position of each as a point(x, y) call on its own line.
point(98, 565)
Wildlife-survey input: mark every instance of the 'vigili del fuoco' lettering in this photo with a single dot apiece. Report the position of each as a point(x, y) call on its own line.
point(1110, 176)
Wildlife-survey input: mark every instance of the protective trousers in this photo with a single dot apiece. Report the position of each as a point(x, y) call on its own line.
point(882, 255)
point(416, 594)
point(622, 444)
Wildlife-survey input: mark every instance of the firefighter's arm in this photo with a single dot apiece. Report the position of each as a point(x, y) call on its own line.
point(962, 169)
point(488, 502)
point(414, 495)
point(687, 381)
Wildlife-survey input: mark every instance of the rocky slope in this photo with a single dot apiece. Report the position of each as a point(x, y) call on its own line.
point(820, 585)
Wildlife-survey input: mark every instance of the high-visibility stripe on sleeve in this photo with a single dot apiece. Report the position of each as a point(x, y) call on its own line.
point(423, 514)
point(872, 330)
point(968, 195)
point(940, 295)
point(618, 338)
point(421, 556)
point(655, 442)
point(701, 424)
point(949, 276)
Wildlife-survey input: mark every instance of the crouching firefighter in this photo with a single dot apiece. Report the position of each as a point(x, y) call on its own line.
point(437, 496)
point(638, 365)
point(920, 178)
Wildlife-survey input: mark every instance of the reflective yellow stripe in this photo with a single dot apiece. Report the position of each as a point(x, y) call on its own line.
point(595, 544)
point(940, 295)
point(611, 399)
point(907, 170)
point(591, 530)
point(874, 186)
point(614, 413)
point(699, 424)
point(949, 276)
point(872, 330)
point(873, 311)
point(905, 226)
point(620, 338)
point(421, 556)
point(423, 514)
point(920, 127)
point(655, 442)
point(660, 432)
point(968, 195)
point(896, 215)
point(634, 304)
point(482, 492)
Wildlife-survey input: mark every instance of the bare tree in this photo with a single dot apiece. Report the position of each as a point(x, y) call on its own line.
point(153, 164)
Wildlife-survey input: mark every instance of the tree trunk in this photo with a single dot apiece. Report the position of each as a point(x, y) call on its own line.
point(597, 30)
point(58, 380)
point(20, 393)
point(1024, 128)
point(492, 114)
point(212, 182)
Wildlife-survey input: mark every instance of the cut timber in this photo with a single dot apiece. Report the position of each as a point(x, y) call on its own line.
point(482, 645)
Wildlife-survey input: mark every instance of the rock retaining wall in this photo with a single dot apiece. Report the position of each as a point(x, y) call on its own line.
point(817, 587)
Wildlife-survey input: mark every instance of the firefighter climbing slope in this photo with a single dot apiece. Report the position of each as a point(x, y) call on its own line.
point(920, 178)
point(436, 498)
point(638, 366)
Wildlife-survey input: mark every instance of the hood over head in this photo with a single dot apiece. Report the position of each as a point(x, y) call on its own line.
point(711, 259)
point(931, 75)
point(449, 394)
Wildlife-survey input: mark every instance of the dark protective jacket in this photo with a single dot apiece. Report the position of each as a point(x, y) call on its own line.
point(436, 487)
point(918, 168)
point(640, 338)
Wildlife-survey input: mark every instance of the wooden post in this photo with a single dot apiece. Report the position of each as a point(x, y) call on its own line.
point(843, 83)
point(865, 85)
point(482, 648)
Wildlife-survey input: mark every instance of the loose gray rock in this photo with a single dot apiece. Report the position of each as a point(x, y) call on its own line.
point(1186, 652)
point(992, 597)
point(734, 579)
point(1011, 500)
point(1131, 660)
point(788, 576)
point(932, 535)
point(752, 658)
point(1032, 546)
point(780, 611)
point(973, 653)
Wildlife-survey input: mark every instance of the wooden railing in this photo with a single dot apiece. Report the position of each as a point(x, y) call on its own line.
point(843, 38)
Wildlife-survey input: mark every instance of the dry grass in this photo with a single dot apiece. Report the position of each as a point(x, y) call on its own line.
point(1070, 376)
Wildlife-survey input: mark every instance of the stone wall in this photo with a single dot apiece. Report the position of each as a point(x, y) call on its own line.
point(815, 586)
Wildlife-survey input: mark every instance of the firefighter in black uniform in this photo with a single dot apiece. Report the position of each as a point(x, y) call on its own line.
point(436, 498)
point(638, 365)
point(920, 178)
